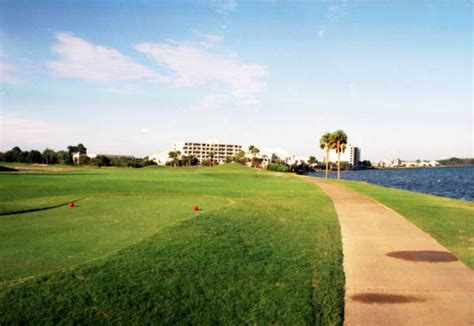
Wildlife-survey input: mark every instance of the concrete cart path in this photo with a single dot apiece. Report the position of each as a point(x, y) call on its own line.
point(396, 274)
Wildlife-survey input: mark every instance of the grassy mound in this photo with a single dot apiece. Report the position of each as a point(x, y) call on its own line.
point(264, 248)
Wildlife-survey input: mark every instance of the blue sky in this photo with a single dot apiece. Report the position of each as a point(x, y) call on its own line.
point(132, 77)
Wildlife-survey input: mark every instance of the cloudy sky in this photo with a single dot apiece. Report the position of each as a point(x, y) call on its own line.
point(130, 77)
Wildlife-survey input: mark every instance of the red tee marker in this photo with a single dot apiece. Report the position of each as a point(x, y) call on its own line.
point(71, 204)
point(196, 208)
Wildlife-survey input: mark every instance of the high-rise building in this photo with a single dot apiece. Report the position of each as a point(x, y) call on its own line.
point(354, 156)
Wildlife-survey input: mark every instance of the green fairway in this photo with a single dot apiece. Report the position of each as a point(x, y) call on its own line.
point(449, 221)
point(264, 248)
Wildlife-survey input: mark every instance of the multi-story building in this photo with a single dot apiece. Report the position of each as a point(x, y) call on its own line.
point(354, 156)
point(202, 151)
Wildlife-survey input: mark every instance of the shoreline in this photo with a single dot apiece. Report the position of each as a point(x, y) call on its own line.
point(397, 168)
point(429, 183)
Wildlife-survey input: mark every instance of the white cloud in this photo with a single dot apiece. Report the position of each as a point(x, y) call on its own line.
point(125, 89)
point(144, 130)
point(337, 10)
point(224, 6)
point(322, 33)
point(7, 74)
point(191, 64)
point(207, 37)
point(212, 102)
point(183, 64)
point(248, 104)
point(82, 59)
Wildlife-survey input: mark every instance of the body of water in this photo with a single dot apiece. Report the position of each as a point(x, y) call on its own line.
point(453, 182)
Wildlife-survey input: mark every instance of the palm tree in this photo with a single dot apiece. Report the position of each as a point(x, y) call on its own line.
point(312, 160)
point(187, 159)
point(254, 151)
point(326, 143)
point(178, 157)
point(340, 142)
point(211, 157)
point(251, 148)
point(174, 155)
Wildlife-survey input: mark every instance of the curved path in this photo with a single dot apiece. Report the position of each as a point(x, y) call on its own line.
point(396, 274)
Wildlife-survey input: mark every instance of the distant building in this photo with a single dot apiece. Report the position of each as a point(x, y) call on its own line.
point(399, 163)
point(268, 156)
point(419, 164)
point(352, 154)
point(265, 161)
point(160, 158)
point(292, 159)
point(201, 151)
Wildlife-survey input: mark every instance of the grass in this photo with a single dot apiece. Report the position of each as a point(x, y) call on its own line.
point(449, 221)
point(265, 248)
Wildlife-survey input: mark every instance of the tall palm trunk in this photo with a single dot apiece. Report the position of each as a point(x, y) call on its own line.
point(327, 162)
point(339, 164)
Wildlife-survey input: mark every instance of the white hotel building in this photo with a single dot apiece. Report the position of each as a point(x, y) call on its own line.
point(201, 151)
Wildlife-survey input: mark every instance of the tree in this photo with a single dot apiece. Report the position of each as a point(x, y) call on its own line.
point(327, 143)
point(81, 149)
point(8, 156)
point(277, 167)
point(18, 155)
point(365, 164)
point(49, 156)
point(312, 160)
point(100, 160)
point(240, 157)
point(84, 160)
point(63, 157)
point(34, 156)
point(340, 142)
point(174, 155)
point(189, 160)
point(254, 151)
point(256, 162)
point(186, 160)
point(147, 162)
point(72, 149)
point(211, 157)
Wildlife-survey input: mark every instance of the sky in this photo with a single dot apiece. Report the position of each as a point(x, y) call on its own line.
point(132, 77)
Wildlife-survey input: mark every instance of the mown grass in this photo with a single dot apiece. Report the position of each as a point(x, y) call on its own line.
point(449, 221)
point(265, 248)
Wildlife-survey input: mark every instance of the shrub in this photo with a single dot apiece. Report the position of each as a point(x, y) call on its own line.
point(277, 167)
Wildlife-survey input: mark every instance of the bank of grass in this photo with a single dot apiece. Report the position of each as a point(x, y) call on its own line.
point(449, 221)
point(265, 248)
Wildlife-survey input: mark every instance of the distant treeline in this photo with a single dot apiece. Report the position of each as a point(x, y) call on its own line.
point(457, 161)
point(49, 156)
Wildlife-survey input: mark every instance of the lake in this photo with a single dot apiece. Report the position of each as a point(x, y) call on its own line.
point(453, 182)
